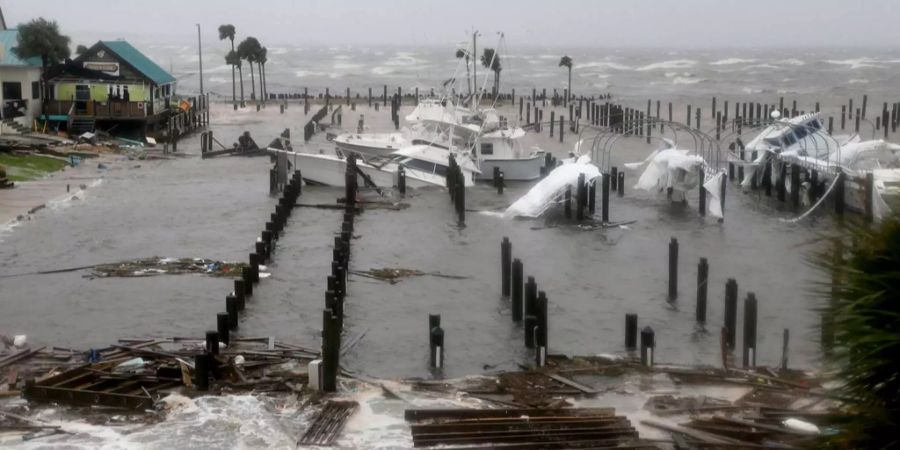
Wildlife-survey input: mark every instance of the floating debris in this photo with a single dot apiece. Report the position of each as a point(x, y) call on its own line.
point(328, 423)
point(395, 275)
point(523, 428)
point(168, 266)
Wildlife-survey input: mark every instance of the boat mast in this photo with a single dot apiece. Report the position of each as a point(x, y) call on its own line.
point(475, 62)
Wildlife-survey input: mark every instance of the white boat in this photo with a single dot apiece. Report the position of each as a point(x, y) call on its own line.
point(502, 149)
point(802, 139)
point(377, 144)
point(424, 166)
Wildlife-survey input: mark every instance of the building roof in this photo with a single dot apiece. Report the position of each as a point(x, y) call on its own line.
point(8, 40)
point(139, 61)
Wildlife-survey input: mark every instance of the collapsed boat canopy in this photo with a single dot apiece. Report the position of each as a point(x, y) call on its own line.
point(668, 167)
point(551, 189)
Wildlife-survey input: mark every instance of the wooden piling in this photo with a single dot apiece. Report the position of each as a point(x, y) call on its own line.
point(631, 329)
point(516, 299)
point(750, 331)
point(795, 185)
point(648, 347)
point(620, 184)
point(580, 198)
point(731, 293)
point(673, 269)
point(701, 204)
point(542, 334)
point(567, 200)
point(605, 197)
point(869, 189)
point(702, 284)
point(223, 327)
point(232, 310)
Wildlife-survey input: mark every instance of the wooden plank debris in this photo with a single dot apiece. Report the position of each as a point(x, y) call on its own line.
point(522, 428)
point(328, 423)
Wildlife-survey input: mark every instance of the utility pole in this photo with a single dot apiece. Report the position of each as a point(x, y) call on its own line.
point(200, 51)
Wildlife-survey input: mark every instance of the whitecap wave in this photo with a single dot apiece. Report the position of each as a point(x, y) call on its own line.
point(381, 70)
point(602, 65)
point(761, 66)
point(750, 90)
point(856, 63)
point(347, 66)
point(308, 73)
point(791, 62)
point(858, 81)
point(687, 80)
point(673, 64)
point(731, 61)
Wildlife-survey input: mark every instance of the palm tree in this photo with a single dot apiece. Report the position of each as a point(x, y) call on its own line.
point(234, 60)
point(863, 314)
point(491, 60)
point(248, 49)
point(227, 32)
point(565, 61)
point(41, 38)
point(261, 60)
point(461, 53)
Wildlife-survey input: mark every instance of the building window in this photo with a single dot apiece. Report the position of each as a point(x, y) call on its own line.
point(35, 90)
point(12, 90)
point(487, 149)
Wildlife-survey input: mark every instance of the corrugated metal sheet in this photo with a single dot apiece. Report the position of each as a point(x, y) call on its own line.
point(140, 62)
point(8, 40)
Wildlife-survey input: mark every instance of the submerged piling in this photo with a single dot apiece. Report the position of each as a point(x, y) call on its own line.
point(631, 329)
point(673, 269)
point(702, 282)
point(750, 331)
point(648, 345)
point(731, 292)
point(517, 290)
point(505, 266)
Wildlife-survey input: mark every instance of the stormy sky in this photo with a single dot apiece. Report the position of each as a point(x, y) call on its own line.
point(556, 23)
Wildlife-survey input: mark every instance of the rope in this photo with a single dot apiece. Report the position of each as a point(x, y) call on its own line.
point(816, 205)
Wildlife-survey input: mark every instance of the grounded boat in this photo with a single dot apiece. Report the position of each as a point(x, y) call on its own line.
point(424, 166)
point(803, 140)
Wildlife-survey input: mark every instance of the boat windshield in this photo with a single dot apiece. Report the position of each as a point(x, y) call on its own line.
point(417, 164)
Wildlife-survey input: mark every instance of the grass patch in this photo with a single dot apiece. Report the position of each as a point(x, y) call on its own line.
point(29, 167)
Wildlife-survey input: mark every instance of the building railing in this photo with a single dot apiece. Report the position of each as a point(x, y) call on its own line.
point(96, 109)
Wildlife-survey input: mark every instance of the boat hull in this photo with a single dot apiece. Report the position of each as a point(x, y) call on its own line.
point(329, 170)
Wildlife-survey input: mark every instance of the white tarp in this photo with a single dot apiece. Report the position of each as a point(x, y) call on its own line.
point(668, 168)
point(545, 193)
point(713, 186)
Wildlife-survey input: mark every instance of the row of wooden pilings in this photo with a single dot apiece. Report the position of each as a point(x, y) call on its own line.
point(799, 174)
point(629, 120)
point(206, 364)
point(336, 290)
point(729, 328)
point(528, 305)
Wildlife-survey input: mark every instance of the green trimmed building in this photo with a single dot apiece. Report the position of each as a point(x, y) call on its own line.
point(112, 84)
